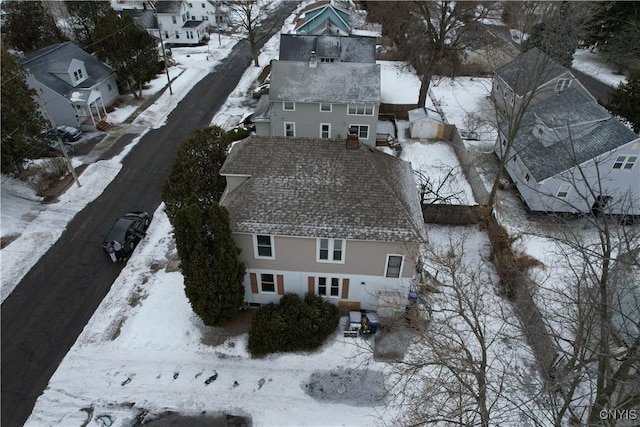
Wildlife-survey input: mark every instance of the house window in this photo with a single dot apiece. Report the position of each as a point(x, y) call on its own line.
point(325, 107)
point(361, 130)
point(205, 18)
point(325, 130)
point(625, 162)
point(177, 35)
point(78, 74)
point(289, 129)
point(326, 59)
point(562, 84)
point(329, 286)
point(174, 19)
point(563, 191)
point(288, 106)
point(267, 284)
point(263, 246)
point(203, 6)
point(190, 4)
point(394, 266)
point(360, 109)
point(526, 177)
point(166, 34)
point(109, 87)
point(330, 250)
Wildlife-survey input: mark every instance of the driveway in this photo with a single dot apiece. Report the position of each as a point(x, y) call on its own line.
point(46, 312)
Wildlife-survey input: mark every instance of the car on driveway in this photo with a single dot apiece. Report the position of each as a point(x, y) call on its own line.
point(66, 133)
point(125, 235)
point(55, 147)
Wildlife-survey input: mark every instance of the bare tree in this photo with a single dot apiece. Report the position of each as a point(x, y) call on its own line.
point(464, 360)
point(440, 187)
point(254, 18)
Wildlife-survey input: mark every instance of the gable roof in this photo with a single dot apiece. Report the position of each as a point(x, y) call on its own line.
point(339, 82)
point(593, 132)
point(298, 47)
point(55, 58)
point(318, 13)
point(318, 188)
point(169, 6)
point(529, 70)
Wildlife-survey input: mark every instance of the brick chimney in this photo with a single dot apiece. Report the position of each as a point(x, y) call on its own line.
point(352, 140)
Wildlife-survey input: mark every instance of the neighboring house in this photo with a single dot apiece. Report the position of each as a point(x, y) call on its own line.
point(320, 100)
point(625, 298)
point(569, 154)
point(323, 18)
point(328, 48)
point(213, 14)
point(75, 86)
point(487, 47)
point(331, 217)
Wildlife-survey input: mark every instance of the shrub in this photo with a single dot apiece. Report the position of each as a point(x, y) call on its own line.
point(292, 325)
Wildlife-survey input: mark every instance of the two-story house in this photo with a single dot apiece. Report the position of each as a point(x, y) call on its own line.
point(325, 100)
point(569, 154)
point(323, 216)
point(75, 86)
point(179, 24)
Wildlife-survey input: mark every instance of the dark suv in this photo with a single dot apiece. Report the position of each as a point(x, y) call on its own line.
point(125, 235)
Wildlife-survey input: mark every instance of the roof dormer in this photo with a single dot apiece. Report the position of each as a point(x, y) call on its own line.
point(77, 72)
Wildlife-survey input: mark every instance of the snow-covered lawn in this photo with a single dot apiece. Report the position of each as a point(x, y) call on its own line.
point(143, 348)
point(597, 67)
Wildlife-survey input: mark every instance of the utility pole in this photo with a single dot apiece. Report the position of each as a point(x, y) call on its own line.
point(55, 128)
point(164, 54)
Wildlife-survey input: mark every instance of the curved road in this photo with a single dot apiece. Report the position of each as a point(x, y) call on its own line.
point(46, 312)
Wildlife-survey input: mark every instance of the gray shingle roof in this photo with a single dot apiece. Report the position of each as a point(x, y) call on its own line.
point(593, 132)
point(146, 18)
point(530, 70)
point(339, 82)
point(168, 6)
point(297, 47)
point(58, 57)
point(319, 188)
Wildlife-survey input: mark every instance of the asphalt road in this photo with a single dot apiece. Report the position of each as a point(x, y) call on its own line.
point(47, 311)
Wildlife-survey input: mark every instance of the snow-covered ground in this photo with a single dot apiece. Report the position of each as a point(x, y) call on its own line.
point(143, 348)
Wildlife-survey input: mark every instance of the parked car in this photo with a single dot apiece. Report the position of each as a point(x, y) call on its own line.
point(125, 235)
point(66, 133)
point(55, 146)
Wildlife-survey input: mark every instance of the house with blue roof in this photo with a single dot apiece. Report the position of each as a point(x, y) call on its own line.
point(75, 86)
point(323, 18)
point(569, 154)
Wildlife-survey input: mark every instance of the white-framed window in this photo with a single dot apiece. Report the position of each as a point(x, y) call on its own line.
point(329, 286)
point(289, 106)
point(361, 130)
point(289, 129)
point(177, 35)
point(263, 246)
point(203, 6)
point(330, 250)
point(326, 107)
point(625, 162)
point(394, 266)
point(360, 109)
point(563, 191)
point(325, 130)
point(562, 84)
point(527, 177)
point(174, 19)
point(327, 59)
point(267, 283)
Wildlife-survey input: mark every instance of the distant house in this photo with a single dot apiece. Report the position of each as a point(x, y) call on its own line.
point(320, 100)
point(328, 48)
point(569, 154)
point(328, 217)
point(75, 86)
point(323, 18)
point(213, 14)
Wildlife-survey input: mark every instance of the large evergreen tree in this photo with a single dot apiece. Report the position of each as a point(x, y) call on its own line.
point(613, 27)
point(83, 18)
point(213, 275)
point(127, 48)
point(557, 34)
point(21, 121)
point(195, 172)
point(29, 25)
point(625, 100)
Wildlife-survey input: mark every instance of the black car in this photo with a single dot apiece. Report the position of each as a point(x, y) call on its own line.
point(125, 235)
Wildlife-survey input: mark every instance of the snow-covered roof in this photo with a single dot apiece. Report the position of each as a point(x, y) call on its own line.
point(298, 47)
point(593, 132)
point(339, 82)
point(58, 58)
point(530, 70)
point(317, 187)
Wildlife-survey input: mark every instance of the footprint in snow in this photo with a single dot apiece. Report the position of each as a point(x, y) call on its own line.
point(125, 382)
point(212, 378)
